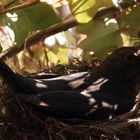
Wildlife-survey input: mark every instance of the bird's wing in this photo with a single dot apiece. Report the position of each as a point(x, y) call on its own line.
point(36, 86)
point(19, 83)
point(69, 102)
point(43, 75)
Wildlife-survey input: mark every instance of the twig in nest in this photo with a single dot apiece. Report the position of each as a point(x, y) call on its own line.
point(137, 105)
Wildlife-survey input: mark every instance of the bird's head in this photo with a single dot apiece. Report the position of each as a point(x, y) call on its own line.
point(123, 62)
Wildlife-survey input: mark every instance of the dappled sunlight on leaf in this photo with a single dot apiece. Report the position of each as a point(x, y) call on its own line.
point(62, 54)
point(130, 24)
point(102, 36)
point(40, 57)
point(102, 45)
point(30, 19)
point(85, 10)
point(5, 1)
point(126, 39)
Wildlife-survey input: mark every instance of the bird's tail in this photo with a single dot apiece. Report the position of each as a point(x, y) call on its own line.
point(5, 69)
point(8, 75)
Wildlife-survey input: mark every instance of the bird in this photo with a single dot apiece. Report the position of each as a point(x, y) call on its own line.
point(103, 93)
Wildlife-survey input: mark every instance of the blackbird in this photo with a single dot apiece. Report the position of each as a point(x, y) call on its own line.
point(104, 93)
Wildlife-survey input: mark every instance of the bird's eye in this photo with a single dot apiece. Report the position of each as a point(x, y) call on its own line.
point(130, 57)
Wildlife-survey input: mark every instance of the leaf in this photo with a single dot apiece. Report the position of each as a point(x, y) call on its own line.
point(130, 24)
point(55, 53)
point(104, 3)
point(85, 10)
point(99, 27)
point(5, 1)
point(61, 54)
point(33, 18)
point(41, 56)
point(102, 36)
point(102, 45)
point(52, 57)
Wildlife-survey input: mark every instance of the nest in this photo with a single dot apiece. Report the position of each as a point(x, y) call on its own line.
point(20, 122)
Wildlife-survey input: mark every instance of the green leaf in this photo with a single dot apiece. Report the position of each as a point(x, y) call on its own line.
point(33, 18)
point(130, 24)
point(99, 27)
point(102, 45)
point(5, 1)
point(52, 57)
point(102, 36)
point(129, 1)
point(58, 53)
point(85, 10)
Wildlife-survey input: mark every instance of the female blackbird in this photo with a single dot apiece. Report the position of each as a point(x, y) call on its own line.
point(108, 91)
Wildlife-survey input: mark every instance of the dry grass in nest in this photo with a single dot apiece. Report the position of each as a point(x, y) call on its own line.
point(19, 122)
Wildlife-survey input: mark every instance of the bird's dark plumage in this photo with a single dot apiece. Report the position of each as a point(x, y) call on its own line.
point(108, 91)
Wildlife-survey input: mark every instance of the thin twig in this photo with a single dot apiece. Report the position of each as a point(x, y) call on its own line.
point(111, 9)
point(39, 36)
point(20, 6)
